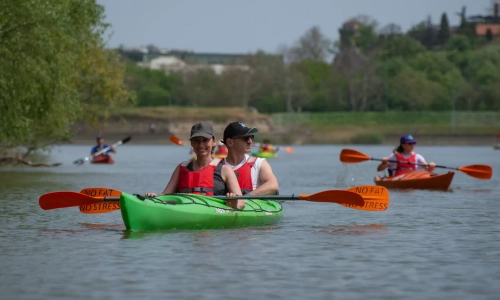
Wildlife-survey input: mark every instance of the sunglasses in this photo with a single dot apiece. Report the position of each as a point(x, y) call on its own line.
point(246, 138)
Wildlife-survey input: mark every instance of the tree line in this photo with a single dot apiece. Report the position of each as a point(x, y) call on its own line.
point(54, 70)
point(373, 69)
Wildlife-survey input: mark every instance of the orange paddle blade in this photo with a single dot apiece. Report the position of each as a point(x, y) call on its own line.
point(68, 199)
point(289, 150)
point(102, 207)
point(376, 197)
point(335, 196)
point(478, 171)
point(176, 140)
point(350, 156)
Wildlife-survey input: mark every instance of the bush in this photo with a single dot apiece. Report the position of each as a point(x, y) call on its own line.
point(368, 139)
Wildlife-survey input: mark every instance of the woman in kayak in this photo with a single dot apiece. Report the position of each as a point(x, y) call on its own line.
point(404, 160)
point(206, 175)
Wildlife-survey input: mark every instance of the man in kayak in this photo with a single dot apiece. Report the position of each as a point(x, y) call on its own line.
point(266, 146)
point(100, 146)
point(403, 159)
point(255, 175)
point(206, 175)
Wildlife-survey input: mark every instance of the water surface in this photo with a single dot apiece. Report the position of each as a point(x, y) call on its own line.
point(427, 245)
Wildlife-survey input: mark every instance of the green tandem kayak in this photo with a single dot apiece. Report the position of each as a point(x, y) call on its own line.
point(266, 154)
point(188, 211)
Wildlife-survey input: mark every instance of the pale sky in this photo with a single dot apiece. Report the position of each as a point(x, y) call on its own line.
point(237, 26)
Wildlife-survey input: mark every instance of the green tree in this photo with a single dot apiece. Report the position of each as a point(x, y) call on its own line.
point(444, 30)
point(400, 46)
point(53, 70)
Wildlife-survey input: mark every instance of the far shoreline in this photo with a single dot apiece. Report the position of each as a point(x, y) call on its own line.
point(392, 140)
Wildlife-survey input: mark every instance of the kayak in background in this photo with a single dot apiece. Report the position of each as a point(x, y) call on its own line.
point(189, 211)
point(265, 154)
point(421, 180)
point(103, 159)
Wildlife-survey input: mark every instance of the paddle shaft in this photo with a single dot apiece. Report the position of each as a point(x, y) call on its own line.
point(410, 163)
point(292, 197)
point(81, 161)
point(114, 145)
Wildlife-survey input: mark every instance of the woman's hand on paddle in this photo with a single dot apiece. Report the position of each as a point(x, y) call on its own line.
point(383, 165)
point(150, 195)
point(432, 166)
point(231, 195)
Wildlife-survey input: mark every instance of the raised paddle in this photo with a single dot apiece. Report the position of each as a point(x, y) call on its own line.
point(83, 160)
point(176, 140)
point(350, 156)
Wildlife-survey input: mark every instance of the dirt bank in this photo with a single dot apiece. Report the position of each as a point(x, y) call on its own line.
point(155, 125)
point(163, 138)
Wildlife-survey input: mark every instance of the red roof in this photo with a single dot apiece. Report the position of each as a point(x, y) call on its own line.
point(481, 29)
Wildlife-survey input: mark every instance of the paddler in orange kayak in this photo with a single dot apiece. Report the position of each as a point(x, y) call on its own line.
point(100, 145)
point(406, 158)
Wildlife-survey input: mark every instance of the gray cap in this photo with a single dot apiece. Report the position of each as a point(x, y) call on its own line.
point(203, 129)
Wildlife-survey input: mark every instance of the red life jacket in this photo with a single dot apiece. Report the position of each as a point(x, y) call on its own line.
point(405, 165)
point(244, 175)
point(197, 182)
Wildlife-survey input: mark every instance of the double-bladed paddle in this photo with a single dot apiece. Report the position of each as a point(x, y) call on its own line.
point(484, 172)
point(83, 160)
point(176, 140)
point(368, 198)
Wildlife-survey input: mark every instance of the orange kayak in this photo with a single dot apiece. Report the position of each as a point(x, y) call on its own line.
point(421, 180)
point(103, 159)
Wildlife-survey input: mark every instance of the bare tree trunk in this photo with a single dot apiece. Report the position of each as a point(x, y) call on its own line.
point(245, 91)
point(364, 94)
point(289, 107)
point(352, 94)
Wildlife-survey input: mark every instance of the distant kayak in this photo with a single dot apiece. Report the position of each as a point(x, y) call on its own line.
point(265, 154)
point(103, 159)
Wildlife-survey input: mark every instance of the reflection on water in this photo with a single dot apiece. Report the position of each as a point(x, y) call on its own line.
point(427, 245)
point(365, 230)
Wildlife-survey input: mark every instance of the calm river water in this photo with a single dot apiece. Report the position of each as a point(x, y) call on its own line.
point(427, 245)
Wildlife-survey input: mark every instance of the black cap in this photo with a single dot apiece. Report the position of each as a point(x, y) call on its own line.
point(237, 129)
point(203, 129)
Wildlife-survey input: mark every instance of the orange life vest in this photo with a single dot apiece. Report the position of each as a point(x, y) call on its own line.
point(244, 175)
point(405, 165)
point(197, 182)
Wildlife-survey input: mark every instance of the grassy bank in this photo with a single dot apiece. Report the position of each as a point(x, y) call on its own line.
point(187, 114)
point(449, 123)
